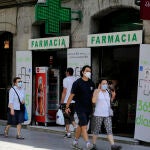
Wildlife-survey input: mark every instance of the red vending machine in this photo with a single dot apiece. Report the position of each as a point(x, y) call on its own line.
point(46, 94)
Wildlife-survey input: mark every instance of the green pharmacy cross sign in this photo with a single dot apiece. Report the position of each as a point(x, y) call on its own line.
point(52, 14)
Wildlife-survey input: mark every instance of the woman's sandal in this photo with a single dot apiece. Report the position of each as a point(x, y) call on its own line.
point(19, 137)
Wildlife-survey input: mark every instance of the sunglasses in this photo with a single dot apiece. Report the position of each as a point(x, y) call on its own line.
point(19, 81)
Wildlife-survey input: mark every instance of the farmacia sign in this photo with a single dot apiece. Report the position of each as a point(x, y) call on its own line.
point(49, 43)
point(116, 38)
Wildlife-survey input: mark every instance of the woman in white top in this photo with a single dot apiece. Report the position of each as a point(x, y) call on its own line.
point(15, 114)
point(102, 98)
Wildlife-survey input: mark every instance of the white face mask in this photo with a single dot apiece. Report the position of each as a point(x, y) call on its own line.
point(104, 86)
point(88, 74)
point(19, 84)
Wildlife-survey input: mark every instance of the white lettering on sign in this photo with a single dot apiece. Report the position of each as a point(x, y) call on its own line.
point(116, 38)
point(49, 43)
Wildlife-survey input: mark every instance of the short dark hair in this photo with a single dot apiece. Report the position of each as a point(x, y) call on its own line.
point(83, 69)
point(101, 79)
point(70, 70)
point(15, 79)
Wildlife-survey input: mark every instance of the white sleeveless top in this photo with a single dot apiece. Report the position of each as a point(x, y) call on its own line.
point(102, 104)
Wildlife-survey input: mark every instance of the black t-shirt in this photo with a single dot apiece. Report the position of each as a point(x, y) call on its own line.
point(83, 91)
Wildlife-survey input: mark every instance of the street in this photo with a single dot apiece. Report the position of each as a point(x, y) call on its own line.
point(37, 140)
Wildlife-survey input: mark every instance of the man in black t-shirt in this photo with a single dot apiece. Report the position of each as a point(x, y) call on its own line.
point(82, 92)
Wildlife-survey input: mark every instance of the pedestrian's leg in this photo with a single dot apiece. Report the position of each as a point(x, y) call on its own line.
point(6, 130)
point(78, 132)
point(68, 131)
point(110, 139)
point(84, 133)
point(19, 132)
point(72, 119)
point(89, 146)
point(94, 138)
point(77, 136)
point(67, 128)
point(96, 128)
point(108, 126)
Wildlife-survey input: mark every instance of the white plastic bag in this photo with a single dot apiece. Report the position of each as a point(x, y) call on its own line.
point(60, 117)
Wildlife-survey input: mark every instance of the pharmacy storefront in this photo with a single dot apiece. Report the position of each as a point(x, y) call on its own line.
point(42, 69)
point(116, 57)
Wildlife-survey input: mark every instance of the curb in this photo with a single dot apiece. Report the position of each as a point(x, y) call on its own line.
point(44, 129)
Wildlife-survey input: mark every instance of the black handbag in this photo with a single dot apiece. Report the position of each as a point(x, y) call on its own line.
point(22, 106)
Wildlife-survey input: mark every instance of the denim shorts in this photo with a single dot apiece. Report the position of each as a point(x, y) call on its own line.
point(15, 119)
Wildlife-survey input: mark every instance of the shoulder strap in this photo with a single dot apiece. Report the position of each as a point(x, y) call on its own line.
point(17, 95)
point(109, 92)
point(105, 98)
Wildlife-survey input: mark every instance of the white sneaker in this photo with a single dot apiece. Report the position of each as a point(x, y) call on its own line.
point(67, 136)
point(89, 146)
point(76, 146)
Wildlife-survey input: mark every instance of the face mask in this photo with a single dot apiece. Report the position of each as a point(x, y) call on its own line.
point(19, 84)
point(88, 74)
point(104, 86)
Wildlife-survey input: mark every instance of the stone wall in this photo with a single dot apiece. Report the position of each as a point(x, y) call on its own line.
point(91, 8)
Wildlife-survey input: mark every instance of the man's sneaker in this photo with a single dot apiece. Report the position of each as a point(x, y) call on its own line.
point(76, 146)
point(89, 146)
point(67, 135)
point(116, 147)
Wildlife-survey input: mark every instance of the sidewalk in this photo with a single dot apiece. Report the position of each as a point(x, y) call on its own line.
point(37, 140)
point(61, 130)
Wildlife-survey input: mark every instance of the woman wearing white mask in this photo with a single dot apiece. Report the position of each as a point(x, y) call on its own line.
point(102, 98)
point(15, 114)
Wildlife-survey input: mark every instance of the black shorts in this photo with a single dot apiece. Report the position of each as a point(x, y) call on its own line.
point(84, 118)
point(69, 118)
point(15, 119)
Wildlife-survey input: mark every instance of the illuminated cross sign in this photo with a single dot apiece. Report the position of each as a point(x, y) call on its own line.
point(52, 14)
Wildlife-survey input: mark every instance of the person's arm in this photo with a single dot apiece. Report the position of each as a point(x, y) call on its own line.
point(63, 95)
point(67, 110)
point(72, 94)
point(95, 95)
point(11, 101)
point(64, 92)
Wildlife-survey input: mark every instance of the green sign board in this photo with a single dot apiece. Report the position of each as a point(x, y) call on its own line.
point(49, 43)
point(115, 38)
point(52, 14)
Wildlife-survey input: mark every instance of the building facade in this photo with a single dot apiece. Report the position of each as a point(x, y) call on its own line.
point(119, 63)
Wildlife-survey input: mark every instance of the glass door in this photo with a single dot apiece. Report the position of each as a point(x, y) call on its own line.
point(120, 66)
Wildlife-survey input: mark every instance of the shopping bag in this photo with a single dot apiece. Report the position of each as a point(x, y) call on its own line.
point(25, 114)
point(60, 117)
